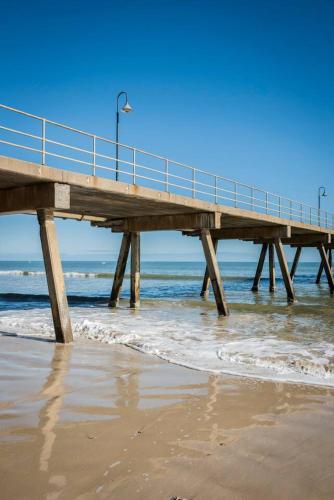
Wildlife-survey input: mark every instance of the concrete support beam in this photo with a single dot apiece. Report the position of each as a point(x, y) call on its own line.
point(247, 233)
point(120, 270)
point(295, 262)
point(250, 233)
point(35, 197)
point(259, 268)
point(304, 240)
point(208, 220)
point(327, 267)
point(285, 270)
point(55, 277)
point(206, 279)
point(272, 274)
point(308, 239)
point(214, 272)
point(313, 245)
point(78, 217)
point(135, 270)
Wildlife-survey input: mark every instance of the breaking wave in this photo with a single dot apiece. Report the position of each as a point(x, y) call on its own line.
point(143, 276)
point(72, 274)
point(244, 344)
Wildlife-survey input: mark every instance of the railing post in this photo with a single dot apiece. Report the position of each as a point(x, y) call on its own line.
point(167, 174)
point(301, 212)
point(235, 195)
point(310, 215)
point(279, 206)
point(134, 166)
point(216, 180)
point(43, 141)
point(290, 209)
point(252, 198)
point(267, 202)
point(193, 182)
point(94, 155)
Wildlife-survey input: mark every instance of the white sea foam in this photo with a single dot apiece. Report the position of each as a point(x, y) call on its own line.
point(247, 344)
point(21, 272)
point(79, 275)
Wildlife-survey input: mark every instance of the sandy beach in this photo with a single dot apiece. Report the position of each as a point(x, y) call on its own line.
point(98, 421)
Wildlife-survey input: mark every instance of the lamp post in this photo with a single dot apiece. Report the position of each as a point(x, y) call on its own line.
point(321, 193)
point(125, 109)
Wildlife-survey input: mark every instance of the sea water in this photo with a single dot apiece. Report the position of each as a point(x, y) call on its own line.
point(263, 337)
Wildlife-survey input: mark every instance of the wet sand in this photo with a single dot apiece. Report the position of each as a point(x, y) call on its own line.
point(98, 421)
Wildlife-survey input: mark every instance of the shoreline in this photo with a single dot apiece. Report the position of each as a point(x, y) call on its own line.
point(218, 373)
point(232, 374)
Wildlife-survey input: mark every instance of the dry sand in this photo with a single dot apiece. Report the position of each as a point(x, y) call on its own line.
point(96, 421)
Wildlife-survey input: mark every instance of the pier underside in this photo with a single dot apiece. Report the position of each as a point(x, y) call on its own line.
point(27, 188)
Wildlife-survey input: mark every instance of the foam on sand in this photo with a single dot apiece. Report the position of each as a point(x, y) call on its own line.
point(246, 344)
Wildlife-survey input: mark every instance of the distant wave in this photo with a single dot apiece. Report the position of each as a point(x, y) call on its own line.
point(16, 272)
point(22, 272)
point(143, 276)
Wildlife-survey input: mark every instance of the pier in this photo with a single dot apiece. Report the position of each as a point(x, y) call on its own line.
point(51, 170)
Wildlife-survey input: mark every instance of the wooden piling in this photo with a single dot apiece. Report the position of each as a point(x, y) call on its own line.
point(295, 262)
point(135, 270)
point(120, 270)
point(206, 279)
point(321, 266)
point(326, 266)
point(55, 277)
point(259, 268)
point(272, 273)
point(284, 270)
point(214, 272)
point(320, 270)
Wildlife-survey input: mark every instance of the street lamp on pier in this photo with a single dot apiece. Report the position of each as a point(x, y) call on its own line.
point(125, 109)
point(321, 194)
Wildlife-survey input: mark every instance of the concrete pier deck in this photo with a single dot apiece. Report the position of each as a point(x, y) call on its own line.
point(112, 204)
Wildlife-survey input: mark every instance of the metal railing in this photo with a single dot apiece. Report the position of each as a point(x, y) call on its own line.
point(48, 142)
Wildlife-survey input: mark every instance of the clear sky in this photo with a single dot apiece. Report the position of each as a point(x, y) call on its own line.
point(244, 89)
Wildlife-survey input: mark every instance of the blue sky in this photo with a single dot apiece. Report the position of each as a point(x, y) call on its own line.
point(243, 89)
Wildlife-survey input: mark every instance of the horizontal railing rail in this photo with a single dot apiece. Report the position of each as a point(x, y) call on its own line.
point(43, 140)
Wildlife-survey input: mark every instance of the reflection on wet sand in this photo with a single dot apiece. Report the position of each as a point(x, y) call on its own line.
point(53, 390)
point(213, 391)
point(127, 390)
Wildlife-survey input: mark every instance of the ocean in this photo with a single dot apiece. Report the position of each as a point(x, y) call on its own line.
point(263, 338)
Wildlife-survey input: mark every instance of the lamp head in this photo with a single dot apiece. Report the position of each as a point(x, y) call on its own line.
point(127, 108)
point(322, 191)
